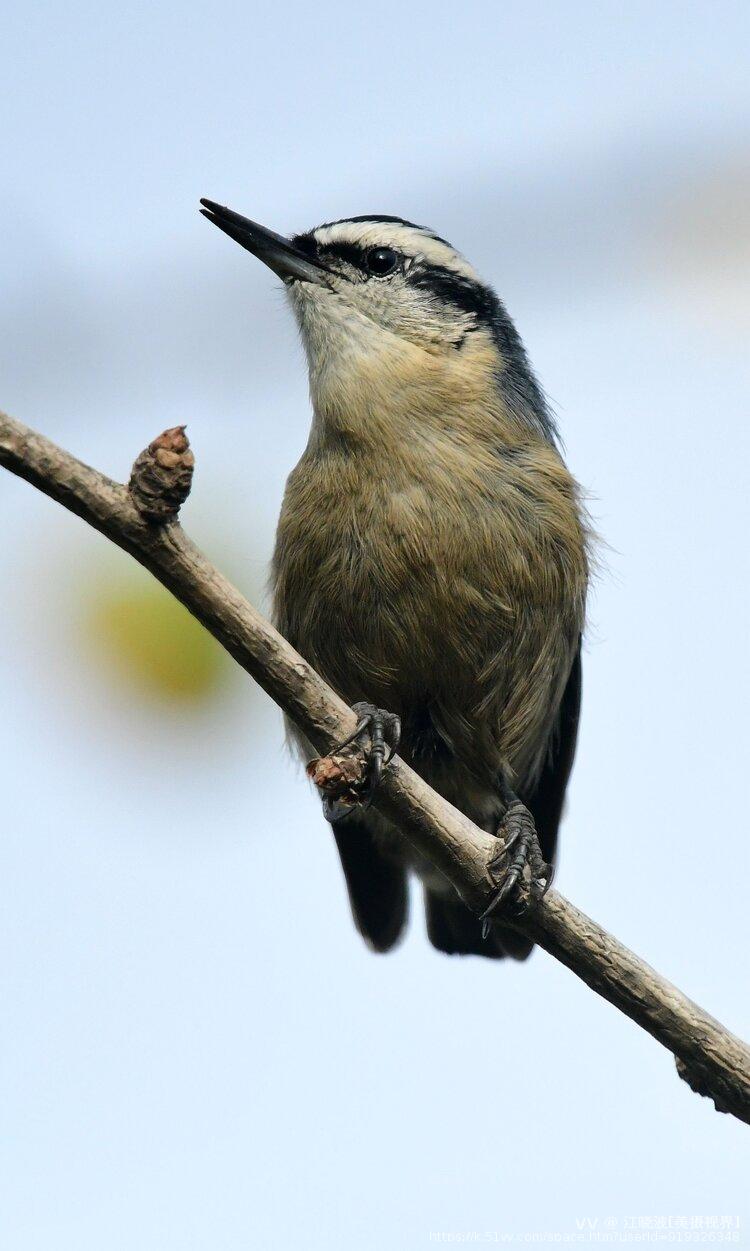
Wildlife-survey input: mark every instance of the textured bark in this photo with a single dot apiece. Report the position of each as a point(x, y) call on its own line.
point(712, 1061)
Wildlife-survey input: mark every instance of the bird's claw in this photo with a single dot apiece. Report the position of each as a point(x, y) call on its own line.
point(383, 729)
point(524, 876)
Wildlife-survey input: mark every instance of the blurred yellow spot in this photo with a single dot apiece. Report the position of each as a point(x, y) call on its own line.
point(152, 642)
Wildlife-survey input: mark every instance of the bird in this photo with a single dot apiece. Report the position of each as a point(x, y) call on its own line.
point(432, 557)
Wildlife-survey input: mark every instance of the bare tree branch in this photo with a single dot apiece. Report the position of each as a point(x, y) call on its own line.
point(713, 1061)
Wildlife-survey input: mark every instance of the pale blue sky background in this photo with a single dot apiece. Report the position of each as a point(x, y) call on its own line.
point(197, 1052)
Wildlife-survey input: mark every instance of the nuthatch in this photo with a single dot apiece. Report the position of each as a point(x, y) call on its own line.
point(431, 556)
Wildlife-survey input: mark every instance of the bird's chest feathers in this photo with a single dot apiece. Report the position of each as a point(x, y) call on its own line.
point(357, 543)
point(420, 541)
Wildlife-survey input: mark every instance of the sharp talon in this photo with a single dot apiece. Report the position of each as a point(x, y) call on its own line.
point(384, 731)
point(347, 742)
point(507, 887)
point(376, 770)
point(335, 810)
point(486, 916)
point(511, 842)
point(523, 877)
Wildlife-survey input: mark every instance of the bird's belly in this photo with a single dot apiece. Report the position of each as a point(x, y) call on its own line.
point(434, 633)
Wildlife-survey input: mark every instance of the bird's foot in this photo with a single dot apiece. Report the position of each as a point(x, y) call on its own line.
point(383, 729)
point(518, 866)
point(360, 760)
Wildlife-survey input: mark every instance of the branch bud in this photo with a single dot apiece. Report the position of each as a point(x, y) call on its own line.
point(162, 475)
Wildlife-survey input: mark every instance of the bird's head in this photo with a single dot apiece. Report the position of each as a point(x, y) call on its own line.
point(392, 315)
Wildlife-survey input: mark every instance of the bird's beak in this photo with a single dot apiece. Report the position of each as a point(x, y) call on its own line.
point(278, 253)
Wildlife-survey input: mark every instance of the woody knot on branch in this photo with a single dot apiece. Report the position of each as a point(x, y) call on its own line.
point(162, 475)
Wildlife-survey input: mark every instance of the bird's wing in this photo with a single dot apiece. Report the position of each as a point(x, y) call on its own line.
point(548, 795)
point(376, 884)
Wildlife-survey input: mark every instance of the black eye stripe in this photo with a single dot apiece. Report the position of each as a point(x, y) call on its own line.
point(379, 260)
point(448, 287)
point(349, 252)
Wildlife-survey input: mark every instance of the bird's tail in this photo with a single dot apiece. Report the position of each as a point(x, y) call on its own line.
point(452, 928)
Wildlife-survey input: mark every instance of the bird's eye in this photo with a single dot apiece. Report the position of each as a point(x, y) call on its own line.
point(381, 261)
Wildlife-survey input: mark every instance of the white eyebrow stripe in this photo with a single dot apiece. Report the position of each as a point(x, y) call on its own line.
point(407, 239)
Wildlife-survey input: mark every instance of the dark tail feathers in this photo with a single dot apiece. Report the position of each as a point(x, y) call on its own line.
point(452, 928)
